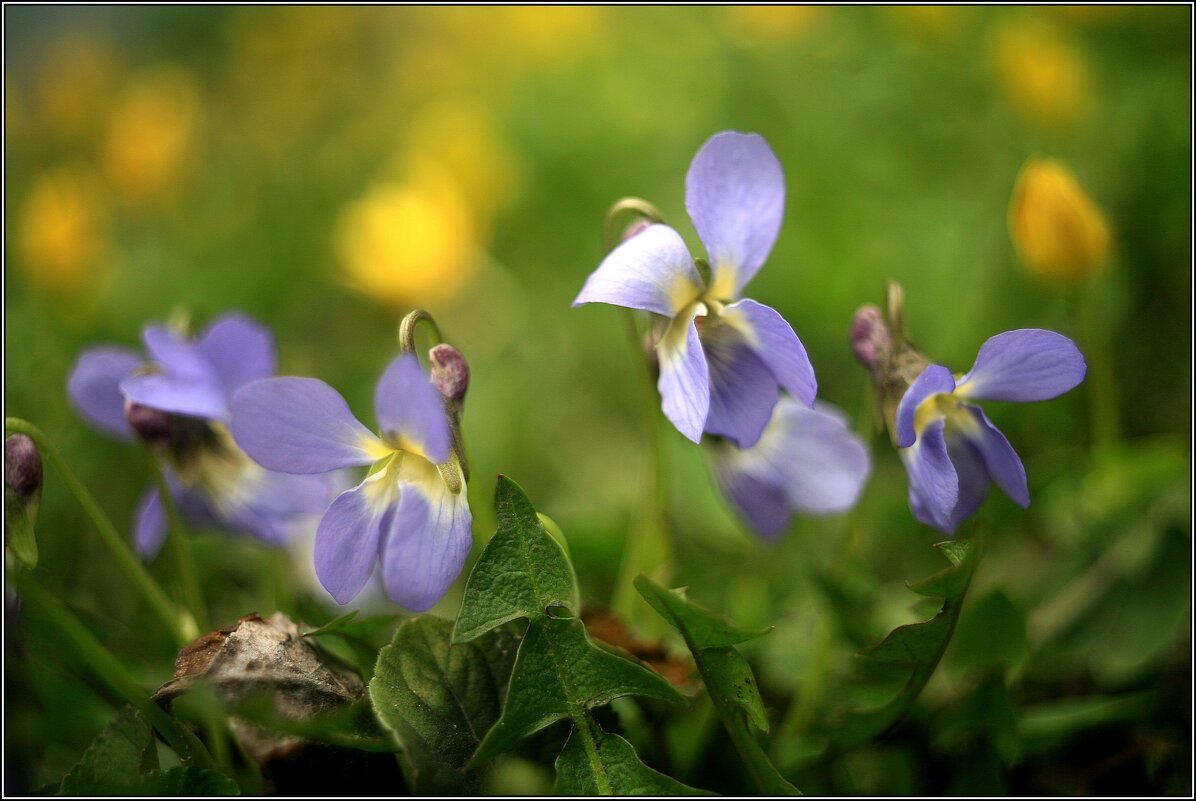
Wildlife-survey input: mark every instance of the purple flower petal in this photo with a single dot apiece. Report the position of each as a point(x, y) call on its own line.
point(743, 391)
point(1000, 458)
point(94, 387)
point(426, 547)
point(933, 482)
point(409, 407)
point(735, 195)
point(149, 529)
point(300, 425)
point(973, 478)
point(933, 380)
point(271, 505)
point(240, 350)
point(684, 382)
point(189, 396)
point(828, 464)
point(652, 271)
point(348, 539)
point(775, 342)
point(1029, 364)
point(763, 506)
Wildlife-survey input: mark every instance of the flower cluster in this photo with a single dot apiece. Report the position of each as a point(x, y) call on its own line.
point(724, 359)
point(178, 401)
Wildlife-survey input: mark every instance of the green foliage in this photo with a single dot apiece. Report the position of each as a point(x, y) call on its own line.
point(611, 765)
point(19, 536)
point(522, 573)
point(360, 637)
point(559, 673)
point(439, 698)
point(123, 760)
point(991, 634)
point(727, 676)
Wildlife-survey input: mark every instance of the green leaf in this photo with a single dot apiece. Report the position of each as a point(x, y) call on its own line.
point(701, 627)
point(605, 764)
point(19, 536)
point(186, 781)
point(439, 699)
point(918, 642)
point(558, 674)
point(115, 758)
point(522, 573)
point(727, 676)
point(349, 626)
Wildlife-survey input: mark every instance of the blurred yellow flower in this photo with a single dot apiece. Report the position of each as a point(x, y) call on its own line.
point(152, 135)
point(461, 135)
point(410, 242)
point(74, 83)
point(753, 24)
point(1045, 77)
point(63, 229)
point(1058, 231)
point(929, 23)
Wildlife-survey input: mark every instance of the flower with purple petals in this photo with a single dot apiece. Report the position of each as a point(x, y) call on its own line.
point(178, 402)
point(950, 448)
point(807, 460)
point(721, 358)
point(410, 511)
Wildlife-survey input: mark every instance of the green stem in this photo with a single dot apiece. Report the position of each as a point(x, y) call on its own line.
point(181, 627)
point(107, 667)
point(647, 548)
point(180, 546)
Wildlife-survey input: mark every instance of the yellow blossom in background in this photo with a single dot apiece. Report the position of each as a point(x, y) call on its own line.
point(74, 83)
point(930, 23)
point(409, 242)
point(1045, 77)
point(152, 137)
point(1058, 231)
point(63, 234)
point(763, 24)
point(461, 135)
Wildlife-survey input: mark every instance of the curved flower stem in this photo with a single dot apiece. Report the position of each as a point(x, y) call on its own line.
point(408, 325)
point(176, 621)
point(108, 668)
point(648, 548)
point(180, 546)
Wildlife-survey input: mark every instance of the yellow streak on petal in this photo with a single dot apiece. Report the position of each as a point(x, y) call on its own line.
point(722, 281)
point(376, 448)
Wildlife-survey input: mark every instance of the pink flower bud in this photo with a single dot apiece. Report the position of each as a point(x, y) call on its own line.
point(870, 337)
point(450, 372)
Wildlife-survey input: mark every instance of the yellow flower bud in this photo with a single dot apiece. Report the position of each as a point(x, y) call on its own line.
point(1045, 77)
point(1058, 231)
point(63, 235)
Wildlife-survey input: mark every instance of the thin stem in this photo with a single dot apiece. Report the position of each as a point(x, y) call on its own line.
point(175, 621)
point(1106, 413)
point(107, 667)
point(180, 546)
point(408, 325)
point(621, 208)
point(647, 548)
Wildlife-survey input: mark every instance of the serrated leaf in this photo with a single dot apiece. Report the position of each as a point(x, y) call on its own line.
point(349, 626)
point(522, 573)
point(559, 673)
point(917, 642)
point(19, 535)
point(439, 699)
point(727, 676)
point(701, 627)
point(955, 550)
point(116, 757)
point(611, 767)
point(186, 781)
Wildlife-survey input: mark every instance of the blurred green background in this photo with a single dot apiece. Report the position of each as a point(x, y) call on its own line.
point(325, 170)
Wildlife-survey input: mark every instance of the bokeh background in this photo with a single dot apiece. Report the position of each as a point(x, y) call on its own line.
point(325, 170)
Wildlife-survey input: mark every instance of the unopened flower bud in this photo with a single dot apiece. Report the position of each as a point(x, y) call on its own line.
point(22, 467)
point(153, 426)
point(22, 496)
point(870, 337)
point(1057, 229)
point(635, 228)
point(450, 372)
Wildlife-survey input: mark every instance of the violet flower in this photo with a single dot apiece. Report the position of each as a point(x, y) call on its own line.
point(178, 400)
point(950, 448)
point(721, 359)
point(807, 460)
point(410, 511)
